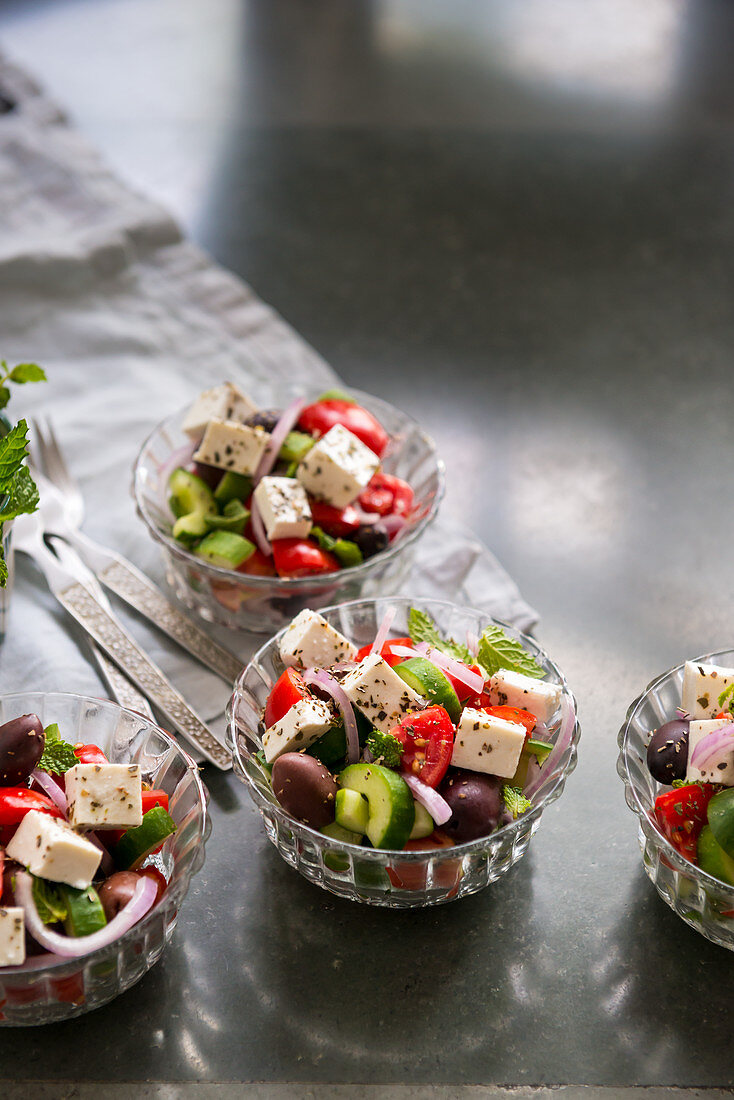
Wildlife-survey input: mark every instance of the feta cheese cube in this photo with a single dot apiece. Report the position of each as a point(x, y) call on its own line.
point(51, 849)
point(231, 446)
point(223, 402)
point(304, 723)
point(338, 467)
point(284, 508)
point(104, 796)
point(12, 936)
point(702, 686)
point(712, 771)
point(379, 692)
point(513, 689)
point(311, 642)
point(484, 743)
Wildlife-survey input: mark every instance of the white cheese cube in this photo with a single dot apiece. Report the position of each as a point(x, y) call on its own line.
point(338, 467)
point(379, 692)
point(484, 743)
point(223, 402)
point(513, 689)
point(51, 849)
point(283, 507)
point(702, 687)
point(12, 937)
point(711, 771)
point(104, 796)
point(311, 642)
point(231, 446)
point(304, 723)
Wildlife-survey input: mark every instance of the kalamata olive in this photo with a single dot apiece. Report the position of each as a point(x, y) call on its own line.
point(667, 753)
point(116, 892)
point(476, 804)
point(21, 747)
point(265, 418)
point(212, 475)
point(370, 538)
point(305, 788)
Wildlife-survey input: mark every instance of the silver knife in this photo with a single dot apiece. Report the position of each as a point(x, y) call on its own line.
point(78, 598)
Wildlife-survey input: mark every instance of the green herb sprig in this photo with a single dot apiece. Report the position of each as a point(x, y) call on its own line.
point(18, 491)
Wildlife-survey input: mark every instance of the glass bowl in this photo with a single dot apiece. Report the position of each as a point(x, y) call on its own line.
point(264, 604)
point(48, 988)
point(401, 880)
point(701, 900)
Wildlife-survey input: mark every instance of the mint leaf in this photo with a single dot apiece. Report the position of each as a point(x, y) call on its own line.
point(3, 566)
point(49, 901)
point(13, 449)
point(422, 628)
point(515, 800)
point(497, 650)
point(27, 372)
point(4, 396)
point(58, 755)
point(22, 495)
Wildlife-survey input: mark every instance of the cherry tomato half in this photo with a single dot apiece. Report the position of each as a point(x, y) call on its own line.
point(318, 418)
point(338, 522)
point(412, 875)
point(257, 565)
point(301, 558)
point(516, 715)
point(682, 813)
point(90, 754)
point(427, 737)
point(387, 495)
point(386, 652)
point(288, 689)
point(15, 802)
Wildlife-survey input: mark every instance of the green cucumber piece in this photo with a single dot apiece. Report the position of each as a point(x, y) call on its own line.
point(347, 553)
point(424, 823)
point(295, 446)
point(233, 518)
point(351, 811)
point(136, 844)
point(336, 395)
point(391, 806)
point(232, 487)
point(189, 493)
point(335, 861)
point(423, 677)
point(721, 819)
point(225, 549)
point(712, 858)
point(84, 912)
point(187, 529)
point(330, 747)
point(538, 749)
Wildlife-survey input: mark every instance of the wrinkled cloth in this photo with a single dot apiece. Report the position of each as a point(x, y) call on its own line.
point(131, 321)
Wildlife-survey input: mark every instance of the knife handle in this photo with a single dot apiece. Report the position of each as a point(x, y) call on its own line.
point(104, 628)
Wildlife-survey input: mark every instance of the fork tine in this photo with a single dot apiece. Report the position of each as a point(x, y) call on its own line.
point(37, 447)
point(55, 459)
point(56, 470)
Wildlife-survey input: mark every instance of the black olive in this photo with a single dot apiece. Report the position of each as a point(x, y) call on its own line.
point(266, 418)
point(371, 539)
point(667, 753)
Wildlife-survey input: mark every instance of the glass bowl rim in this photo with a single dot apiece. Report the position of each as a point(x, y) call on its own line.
point(40, 964)
point(285, 584)
point(456, 851)
point(647, 823)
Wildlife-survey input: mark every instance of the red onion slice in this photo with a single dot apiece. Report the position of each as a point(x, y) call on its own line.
point(258, 530)
point(50, 787)
point(367, 518)
point(713, 744)
point(404, 651)
point(394, 524)
point(680, 713)
point(106, 863)
point(75, 946)
point(437, 806)
point(324, 680)
point(472, 642)
point(288, 418)
point(565, 733)
point(458, 669)
point(383, 631)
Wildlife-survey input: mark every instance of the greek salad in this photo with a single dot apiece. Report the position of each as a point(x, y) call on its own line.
point(692, 755)
point(409, 743)
point(76, 834)
point(290, 493)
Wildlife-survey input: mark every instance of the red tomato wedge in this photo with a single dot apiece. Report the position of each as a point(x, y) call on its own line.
point(288, 689)
point(412, 875)
point(387, 495)
point(15, 802)
point(302, 558)
point(257, 565)
point(338, 522)
point(386, 652)
point(427, 737)
point(90, 754)
point(516, 715)
point(682, 813)
point(319, 418)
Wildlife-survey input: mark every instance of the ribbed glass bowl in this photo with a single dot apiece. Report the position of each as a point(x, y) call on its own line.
point(401, 880)
point(704, 902)
point(48, 988)
point(264, 604)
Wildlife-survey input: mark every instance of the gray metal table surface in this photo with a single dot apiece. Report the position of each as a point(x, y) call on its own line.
point(516, 221)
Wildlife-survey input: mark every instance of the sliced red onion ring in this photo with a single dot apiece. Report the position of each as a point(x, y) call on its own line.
point(565, 733)
point(324, 680)
point(437, 806)
point(106, 863)
point(258, 530)
point(458, 669)
point(180, 457)
point(472, 642)
point(288, 418)
point(404, 651)
point(74, 946)
point(712, 745)
point(394, 524)
point(366, 518)
point(383, 631)
point(50, 787)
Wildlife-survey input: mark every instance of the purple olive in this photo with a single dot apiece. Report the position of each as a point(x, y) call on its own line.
point(476, 803)
point(667, 753)
point(21, 746)
point(117, 891)
point(305, 788)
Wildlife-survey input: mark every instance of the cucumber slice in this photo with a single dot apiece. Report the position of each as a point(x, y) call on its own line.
point(84, 912)
point(424, 823)
point(721, 819)
point(351, 811)
point(187, 529)
point(233, 518)
point(335, 861)
point(225, 549)
point(712, 858)
point(136, 844)
point(391, 813)
point(295, 446)
point(429, 681)
point(538, 749)
point(189, 493)
point(233, 487)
